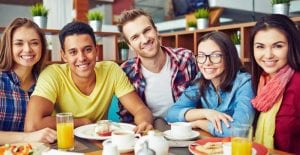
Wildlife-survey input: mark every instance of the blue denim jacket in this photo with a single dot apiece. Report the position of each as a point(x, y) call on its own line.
point(236, 103)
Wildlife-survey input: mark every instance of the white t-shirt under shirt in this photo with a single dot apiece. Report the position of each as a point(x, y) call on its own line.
point(158, 90)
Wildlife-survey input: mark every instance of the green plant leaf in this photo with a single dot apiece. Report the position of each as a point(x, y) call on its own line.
point(280, 1)
point(39, 10)
point(94, 15)
point(191, 24)
point(235, 38)
point(123, 45)
point(202, 13)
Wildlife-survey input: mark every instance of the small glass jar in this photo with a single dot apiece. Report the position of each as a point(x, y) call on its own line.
point(103, 128)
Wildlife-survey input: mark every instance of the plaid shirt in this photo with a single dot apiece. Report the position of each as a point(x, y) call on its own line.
point(13, 102)
point(184, 68)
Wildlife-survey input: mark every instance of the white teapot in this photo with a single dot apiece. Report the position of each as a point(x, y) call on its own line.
point(156, 142)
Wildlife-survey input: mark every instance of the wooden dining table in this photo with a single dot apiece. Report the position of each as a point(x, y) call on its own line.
point(183, 151)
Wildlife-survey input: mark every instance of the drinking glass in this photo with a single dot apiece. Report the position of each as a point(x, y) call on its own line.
point(65, 131)
point(241, 140)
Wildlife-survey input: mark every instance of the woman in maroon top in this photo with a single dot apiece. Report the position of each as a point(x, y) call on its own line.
point(275, 58)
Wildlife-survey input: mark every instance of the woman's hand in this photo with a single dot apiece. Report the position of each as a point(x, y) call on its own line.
point(216, 117)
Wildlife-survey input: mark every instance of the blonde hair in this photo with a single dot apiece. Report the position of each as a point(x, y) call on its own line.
point(6, 56)
point(130, 15)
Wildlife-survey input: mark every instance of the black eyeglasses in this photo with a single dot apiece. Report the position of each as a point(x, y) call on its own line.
point(214, 58)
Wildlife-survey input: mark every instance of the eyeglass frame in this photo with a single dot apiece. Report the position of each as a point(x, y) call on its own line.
point(209, 57)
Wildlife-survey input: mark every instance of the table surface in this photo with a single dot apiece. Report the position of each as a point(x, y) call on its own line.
point(183, 151)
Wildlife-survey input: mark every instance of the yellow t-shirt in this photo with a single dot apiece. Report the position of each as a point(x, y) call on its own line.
point(55, 84)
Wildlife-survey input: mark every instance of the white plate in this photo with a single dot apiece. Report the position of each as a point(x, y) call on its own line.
point(193, 135)
point(88, 131)
point(37, 147)
point(122, 150)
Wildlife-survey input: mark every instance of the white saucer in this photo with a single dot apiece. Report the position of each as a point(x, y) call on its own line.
point(121, 150)
point(193, 135)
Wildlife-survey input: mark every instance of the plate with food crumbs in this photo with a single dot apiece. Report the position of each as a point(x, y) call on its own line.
point(213, 146)
point(88, 131)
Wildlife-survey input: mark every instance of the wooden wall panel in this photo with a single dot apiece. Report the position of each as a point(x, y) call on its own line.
point(81, 8)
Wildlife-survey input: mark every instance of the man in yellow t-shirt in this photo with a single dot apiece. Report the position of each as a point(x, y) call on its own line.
point(82, 86)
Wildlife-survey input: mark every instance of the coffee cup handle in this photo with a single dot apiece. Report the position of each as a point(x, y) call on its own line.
point(137, 135)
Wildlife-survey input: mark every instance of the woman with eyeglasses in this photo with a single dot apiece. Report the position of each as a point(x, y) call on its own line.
point(220, 96)
point(275, 60)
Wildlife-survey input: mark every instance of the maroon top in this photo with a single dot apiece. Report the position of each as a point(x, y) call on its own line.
point(287, 130)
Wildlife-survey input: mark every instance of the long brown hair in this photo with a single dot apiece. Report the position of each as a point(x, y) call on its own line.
point(289, 29)
point(6, 56)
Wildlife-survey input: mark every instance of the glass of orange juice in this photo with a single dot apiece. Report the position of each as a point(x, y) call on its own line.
point(241, 140)
point(65, 131)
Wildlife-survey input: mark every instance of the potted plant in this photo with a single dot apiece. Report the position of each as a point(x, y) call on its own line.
point(95, 20)
point(280, 7)
point(39, 14)
point(236, 40)
point(124, 50)
point(202, 15)
point(192, 25)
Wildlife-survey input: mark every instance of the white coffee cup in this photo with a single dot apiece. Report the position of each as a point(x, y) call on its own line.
point(110, 149)
point(123, 139)
point(181, 129)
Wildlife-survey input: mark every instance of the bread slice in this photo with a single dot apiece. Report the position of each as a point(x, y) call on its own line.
point(211, 148)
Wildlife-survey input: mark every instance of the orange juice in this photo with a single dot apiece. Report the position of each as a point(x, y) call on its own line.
point(241, 146)
point(65, 136)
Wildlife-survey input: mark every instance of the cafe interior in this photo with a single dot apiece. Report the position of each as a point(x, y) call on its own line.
point(177, 27)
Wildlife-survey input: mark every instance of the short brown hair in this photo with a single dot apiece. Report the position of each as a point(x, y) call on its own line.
point(6, 56)
point(130, 15)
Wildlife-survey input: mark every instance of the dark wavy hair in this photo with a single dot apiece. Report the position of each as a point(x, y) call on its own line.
point(289, 29)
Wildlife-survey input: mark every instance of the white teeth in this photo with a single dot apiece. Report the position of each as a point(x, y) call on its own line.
point(209, 70)
point(147, 46)
point(27, 57)
point(269, 63)
point(83, 66)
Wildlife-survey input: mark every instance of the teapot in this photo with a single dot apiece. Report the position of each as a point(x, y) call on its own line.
point(156, 142)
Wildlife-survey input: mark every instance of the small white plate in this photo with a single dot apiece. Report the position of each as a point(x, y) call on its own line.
point(88, 131)
point(122, 150)
point(193, 135)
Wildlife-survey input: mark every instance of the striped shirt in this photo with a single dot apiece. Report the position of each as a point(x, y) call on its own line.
point(184, 68)
point(13, 102)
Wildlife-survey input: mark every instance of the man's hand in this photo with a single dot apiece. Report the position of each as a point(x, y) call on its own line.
point(45, 135)
point(143, 127)
point(81, 121)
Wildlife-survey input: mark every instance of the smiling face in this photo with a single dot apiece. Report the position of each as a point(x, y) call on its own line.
point(209, 70)
point(26, 47)
point(80, 52)
point(270, 50)
point(142, 36)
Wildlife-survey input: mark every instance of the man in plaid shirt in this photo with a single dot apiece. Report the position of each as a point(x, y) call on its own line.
point(159, 74)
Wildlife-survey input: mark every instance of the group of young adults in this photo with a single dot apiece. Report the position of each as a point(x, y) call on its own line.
point(212, 90)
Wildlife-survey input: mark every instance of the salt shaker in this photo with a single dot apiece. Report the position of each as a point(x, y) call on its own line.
point(145, 150)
